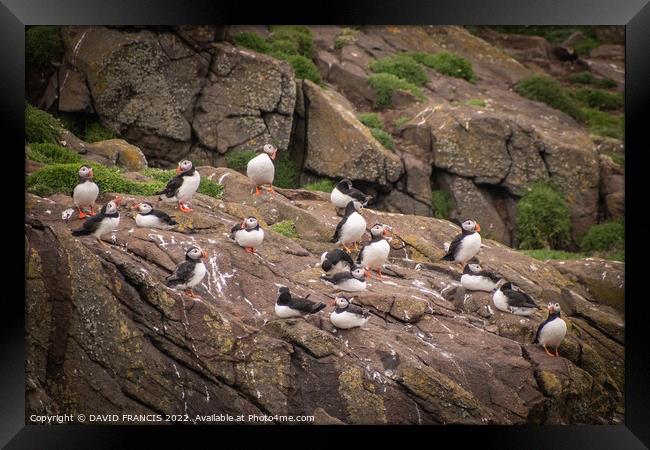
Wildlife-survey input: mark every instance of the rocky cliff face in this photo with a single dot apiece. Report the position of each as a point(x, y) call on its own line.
point(105, 336)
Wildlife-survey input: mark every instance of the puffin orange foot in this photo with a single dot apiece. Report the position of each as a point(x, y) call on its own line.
point(184, 208)
point(547, 352)
point(556, 353)
point(379, 275)
point(368, 273)
point(257, 190)
point(270, 189)
point(82, 215)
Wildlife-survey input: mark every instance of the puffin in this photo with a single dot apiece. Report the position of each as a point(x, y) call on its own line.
point(148, 217)
point(466, 245)
point(343, 193)
point(85, 193)
point(347, 315)
point(551, 332)
point(260, 170)
point(288, 306)
point(352, 281)
point(107, 220)
point(511, 299)
point(351, 227)
point(248, 234)
point(182, 187)
point(474, 278)
point(190, 272)
point(336, 261)
point(374, 254)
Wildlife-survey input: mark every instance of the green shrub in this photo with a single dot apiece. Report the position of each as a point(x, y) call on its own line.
point(547, 90)
point(605, 124)
point(543, 218)
point(371, 120)
point(555, 34)
point(585, 45)
point(347, 36)
point(41, 126)
point(383, 137)
point(385, 85)
point(401, 121)
point(52, 154)
point(589, 78)
point(476, 102)
point(251, 40)
point(238, 159)
point(602, 100)
point(286, 228)
point(605, 239)
point(43, 45)
point(616, 157)
point(322, 185)
point(96, 132)
point(543, 254)
point(304, 68)
point(402, 66)
point(283, 47)
point(446, 63)
point(441, 204)
point(299, 34)
point(287, 172)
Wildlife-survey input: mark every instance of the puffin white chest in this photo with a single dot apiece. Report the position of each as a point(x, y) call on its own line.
point(501, 303)
point(189, 187)
point(469, 247)
point(283, 311)
point(339, 199)
point(375, 254)
point(251, 238)
point(85, 193)
point(149, 221)
point(553, 332)
point(353, 228)
point(346, 320)
point(197, 276)
point(477, 283)
point(261, 170)
point(107, 224)
point(352, 285)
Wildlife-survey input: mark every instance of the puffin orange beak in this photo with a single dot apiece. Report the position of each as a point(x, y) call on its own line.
point(136, 206)
point(118, 200)
point(275, 153)
point(333, 302)
point(243, 224)
point(90, 173)
point(204, 254)
point(478, 227)
point(178, 169)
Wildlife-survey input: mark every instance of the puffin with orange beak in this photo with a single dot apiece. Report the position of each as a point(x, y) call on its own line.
point(260, 170)
point(107, 220)
point(551, 332)
point(374, 254)
point(466, 245)
point(85, 193)
point(182, 187)
point(248, 234)
point(148, 217)
point(190, 272)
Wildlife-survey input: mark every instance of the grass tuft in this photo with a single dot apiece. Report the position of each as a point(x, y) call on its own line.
point(322, 185)
point(441, 204)
point(52, 154)
point(41, 126)
point(286, 228)
point(402, 66)
point(446, 63)
point(385, 84)
point(547, 90)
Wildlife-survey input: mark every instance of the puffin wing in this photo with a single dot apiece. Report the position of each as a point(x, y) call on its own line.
point(339, 227)
point(486, 274)
point(234, 230)
point(163, 216)
point(89, 226)
point(182, 274)
point(453, 247)
point(360, 256)
point(520, 299)
point(306, 306)
point(172, 186)
point(358, 195)
point(338, 277)
point(356, 309)
point(539, 330)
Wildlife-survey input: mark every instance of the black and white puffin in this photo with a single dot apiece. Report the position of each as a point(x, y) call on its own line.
point(351, 227)
point(260, 170)
point(182, 187)
point(248, 234)
point(335, 261)
point(288, 306)
point(551, 332)
point(148, 217)
point(352, 281)
point(85, 193)
point(107, 220)
point(343, 193)
point(474, 278)
point(466, 245)
point(347, 315)
point(374, 254)
point(511, 299)
point(190, 272)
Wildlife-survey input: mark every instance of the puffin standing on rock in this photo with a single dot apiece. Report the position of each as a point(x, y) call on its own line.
point(346, 315)
point(152, 218)
point(248, 234)
point(474, 278)
point(351, 228)
point(466, 245)
point(511, 299)
point(182, 187)
point(260, 170)
point(343, 193)
point(190, 272)
point(374, 254)
point(85, 193)
point(107, 220)
point(551, 332)
point(288, 306)
point(352, 281)
point(336, 261)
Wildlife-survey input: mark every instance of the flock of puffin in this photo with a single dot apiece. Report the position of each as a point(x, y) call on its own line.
point(341, 270)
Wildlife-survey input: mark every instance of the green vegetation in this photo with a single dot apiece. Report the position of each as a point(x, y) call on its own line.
point(43, 45)
point(251, 40)
point(604, 124)
point(238, 159)
point(547, 90)
point(385, 84)
point(589, 78)
point(446, 63)
point(476, 102)
point(52, 154)
point(371, 120)
point(322, 185)
point(304, 68)
point(606, 240)
point(401, 121)
point(299, 34)
point(543, 254)
point(603, 100)
point(286, 228)
point(287, 172)
point(41, 126)
point(403, 67)
point(95, 132)
point(347, 36)
point(616, 157)
point(585, 45)
point(441, 204)
point(554, 34)
point(543, 218)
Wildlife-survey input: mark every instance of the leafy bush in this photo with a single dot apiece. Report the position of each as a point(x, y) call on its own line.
point(589, 78)
point(43, 45)
point(446, 63)
point(385, 85)
point(543, 254)
point(607, 239)
point(605, 124)
point(238, 159)
point(52, 154)
point(441, 204)
point(585, 45)
point(400, 121)
point(383, 137)
point(96, 132)
point(602, 100)
point(206, 187)
point(286, 228)
point(547, 90)
point(402, 66)
point(555, 34)
point(287, 172)
point(283, 46)
point(371, 120)
point(347, 36)
point(543, 218)
point(322, 185)
point(616, 157)
point(304, 68)
point(299, 34)
point(251, 40)
point(41, 126)
point(476, 102)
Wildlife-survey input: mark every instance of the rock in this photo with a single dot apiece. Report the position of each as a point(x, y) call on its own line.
point(398, 202)
point(73, 92)
point(120, 151)
point(612, 188)
point(322, 418)
point(338, 145)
